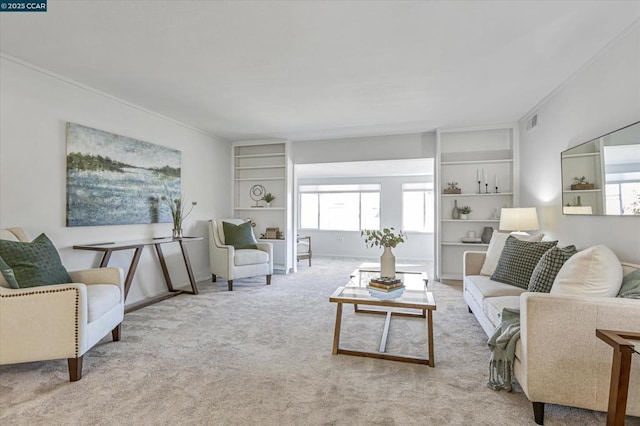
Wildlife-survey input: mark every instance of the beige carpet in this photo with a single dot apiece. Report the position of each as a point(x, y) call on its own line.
point(262, 356)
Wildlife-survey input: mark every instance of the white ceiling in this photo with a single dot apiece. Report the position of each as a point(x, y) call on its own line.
point(319, 69)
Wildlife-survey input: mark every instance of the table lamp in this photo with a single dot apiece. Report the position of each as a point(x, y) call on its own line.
point(519, 219)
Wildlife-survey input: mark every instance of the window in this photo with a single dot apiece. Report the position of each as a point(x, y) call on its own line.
point(340, 207)
point(417, 207)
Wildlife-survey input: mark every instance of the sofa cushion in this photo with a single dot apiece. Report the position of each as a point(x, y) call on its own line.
point(548, 267)
point(595, 271)
point(250, 257)
point(498, 239)
point(33, 264)
point(631, 285)
point(7, 277)
point(239, 236)
point(493, 307)
point(518, 260)
point(481, 287)
point(101, 298)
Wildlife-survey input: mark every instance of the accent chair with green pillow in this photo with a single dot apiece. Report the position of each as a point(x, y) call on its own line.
point(60, 319)
point(234, 252)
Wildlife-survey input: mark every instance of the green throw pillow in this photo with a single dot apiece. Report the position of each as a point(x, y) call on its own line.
point(630, 285)
point(518, 260)
point(239, 236)
point(32, 264)
point(548, 267)
point(8, 274)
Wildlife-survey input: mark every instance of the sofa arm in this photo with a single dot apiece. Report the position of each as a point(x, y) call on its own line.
point(38, 323)
point(562, 360)
point(473, 261)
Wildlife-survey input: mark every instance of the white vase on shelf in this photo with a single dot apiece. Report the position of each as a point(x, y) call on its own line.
point(387, 263)
point(463, 216)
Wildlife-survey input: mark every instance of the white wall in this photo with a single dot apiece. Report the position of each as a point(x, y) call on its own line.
point(600, 98)
point(392, 147)
point(34, 109)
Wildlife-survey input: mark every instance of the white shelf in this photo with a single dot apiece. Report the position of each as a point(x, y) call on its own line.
point(257, 179)
point(587, 154)
point(258, 167)
point(470, 163)
point(457, 243)
point(260, 208)
point(471, 220)
point(578, 191)
point(491, 194)
point(260, 155)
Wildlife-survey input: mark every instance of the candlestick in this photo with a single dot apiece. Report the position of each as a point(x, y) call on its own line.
point(486, 188)
point(479, 191)
point(496, 189)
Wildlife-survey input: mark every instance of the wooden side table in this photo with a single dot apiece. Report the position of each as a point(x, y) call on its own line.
point(137, 245)
point(623, 349)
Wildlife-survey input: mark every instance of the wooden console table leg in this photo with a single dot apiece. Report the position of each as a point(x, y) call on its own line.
point(187, 264)
point(165, 270)
point(430, 331)
point(619, 387)
point(132, 269)
point(105, 259)
point(336, 332)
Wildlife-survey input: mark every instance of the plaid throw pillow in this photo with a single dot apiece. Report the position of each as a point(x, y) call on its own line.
point(518, 260)
point(548, 267)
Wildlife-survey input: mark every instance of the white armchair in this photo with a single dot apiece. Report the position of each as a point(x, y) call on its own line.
point(231, 263)
point(62, 320)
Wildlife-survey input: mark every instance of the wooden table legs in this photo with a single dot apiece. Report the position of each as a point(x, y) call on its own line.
point(187, 264)
point(619, 387)
point(382, 354)
point(132, 267)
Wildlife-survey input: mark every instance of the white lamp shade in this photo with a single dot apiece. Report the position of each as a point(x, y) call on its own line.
point(519, 219)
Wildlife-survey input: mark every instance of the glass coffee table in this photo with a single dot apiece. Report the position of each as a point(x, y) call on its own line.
point(412, 297)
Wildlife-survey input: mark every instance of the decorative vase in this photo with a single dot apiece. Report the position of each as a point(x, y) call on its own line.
point(487, 233)
point(464, 216)
point(455, 213)
point(387, 264)
point(177, 233)
point(268, 205)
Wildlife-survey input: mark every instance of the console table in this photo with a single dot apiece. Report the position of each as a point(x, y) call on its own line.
point(137, 245)
point(624, 345)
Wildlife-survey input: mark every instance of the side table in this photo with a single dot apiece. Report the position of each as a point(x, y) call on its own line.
point(624, 344)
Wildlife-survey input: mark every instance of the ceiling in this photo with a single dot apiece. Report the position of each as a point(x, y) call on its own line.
point(319, 69)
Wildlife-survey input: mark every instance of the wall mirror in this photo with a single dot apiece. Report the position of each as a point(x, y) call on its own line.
point(602, 176)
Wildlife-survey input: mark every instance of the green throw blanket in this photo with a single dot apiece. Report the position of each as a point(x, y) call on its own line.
point(503, 350)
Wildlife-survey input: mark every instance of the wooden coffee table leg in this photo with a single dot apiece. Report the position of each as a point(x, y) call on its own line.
point(430, 331)
point(336, 332)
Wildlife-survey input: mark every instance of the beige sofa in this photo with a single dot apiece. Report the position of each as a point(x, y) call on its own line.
point(559, 359)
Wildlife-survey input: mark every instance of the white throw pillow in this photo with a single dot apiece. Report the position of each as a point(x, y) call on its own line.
point(595, 271)
point(495, 249)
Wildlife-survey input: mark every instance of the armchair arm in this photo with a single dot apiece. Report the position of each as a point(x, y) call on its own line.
point(473, 261)
point(267, 247)
point(562, 360)
point(111, 275)
point(39, 323)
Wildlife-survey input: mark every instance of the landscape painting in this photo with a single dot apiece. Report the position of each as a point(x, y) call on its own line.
point(116, 180)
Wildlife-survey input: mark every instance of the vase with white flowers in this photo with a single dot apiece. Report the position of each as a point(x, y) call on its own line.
point(178, 213)
point(388, 239)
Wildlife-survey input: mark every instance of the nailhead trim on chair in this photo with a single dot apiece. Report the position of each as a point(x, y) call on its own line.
point(54, 291)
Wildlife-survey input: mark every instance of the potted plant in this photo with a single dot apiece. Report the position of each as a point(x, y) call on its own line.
point(464, 211)
point(268, 198)
point(177, 208)
point(388, 239)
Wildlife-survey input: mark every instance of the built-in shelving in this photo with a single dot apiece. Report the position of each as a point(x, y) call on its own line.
point(465, 156)
point(266, 163)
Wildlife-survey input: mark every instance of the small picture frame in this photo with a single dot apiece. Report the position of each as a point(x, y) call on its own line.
point(272, 233)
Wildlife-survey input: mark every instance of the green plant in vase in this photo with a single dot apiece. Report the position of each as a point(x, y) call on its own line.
point(178, 215)
point(268, 198)
point(464, 212)
point(388, 239)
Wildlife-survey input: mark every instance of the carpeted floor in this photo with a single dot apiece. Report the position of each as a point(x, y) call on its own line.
point(262, 356)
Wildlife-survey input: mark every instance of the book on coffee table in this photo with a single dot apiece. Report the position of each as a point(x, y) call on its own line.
point(386, 289)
